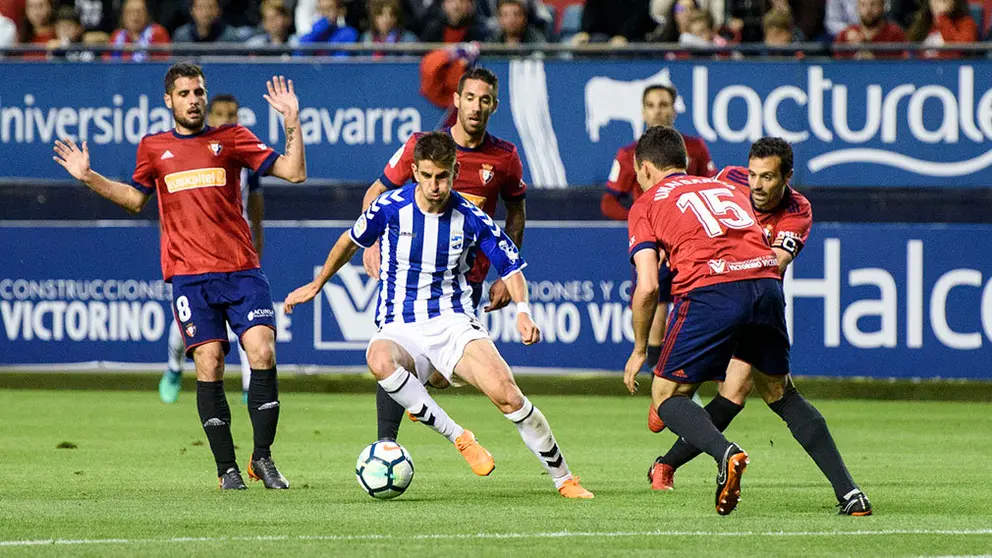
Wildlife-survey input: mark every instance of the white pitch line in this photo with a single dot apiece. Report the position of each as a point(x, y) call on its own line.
point(483, 536)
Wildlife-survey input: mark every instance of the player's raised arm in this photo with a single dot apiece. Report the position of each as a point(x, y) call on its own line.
point(291, 166)
point(77, 162)
point(340, 254)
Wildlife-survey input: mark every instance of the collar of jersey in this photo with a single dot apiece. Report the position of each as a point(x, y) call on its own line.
point(485, 138)
point(188, 136)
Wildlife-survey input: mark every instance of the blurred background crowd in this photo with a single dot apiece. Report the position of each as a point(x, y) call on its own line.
point(55, 26)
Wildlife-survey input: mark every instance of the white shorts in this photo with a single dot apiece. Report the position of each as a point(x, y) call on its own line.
point(435, 345)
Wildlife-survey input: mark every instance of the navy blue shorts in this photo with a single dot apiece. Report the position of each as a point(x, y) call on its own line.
point(664, 282)
point(709, 325)
point(204, 304)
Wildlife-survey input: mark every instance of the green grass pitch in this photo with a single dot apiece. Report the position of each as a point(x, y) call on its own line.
point(141, 482)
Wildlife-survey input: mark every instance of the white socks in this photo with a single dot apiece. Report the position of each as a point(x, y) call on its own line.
point(177, 350)
point(536, 432)
point(407, 390)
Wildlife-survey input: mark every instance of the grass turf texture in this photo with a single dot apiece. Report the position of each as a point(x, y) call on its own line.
point(142, 472)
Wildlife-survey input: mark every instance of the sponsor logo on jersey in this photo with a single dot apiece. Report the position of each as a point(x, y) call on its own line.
point(196, 178)
point(215, 147)
point(486, 173)
point(261, 146)
point(190, 330)
point(630, 243)
point(477, 201)
point(261, 313)
point(718, 266)
point(167, 155)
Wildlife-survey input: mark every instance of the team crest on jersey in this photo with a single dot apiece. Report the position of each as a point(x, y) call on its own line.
point(215, 147)
point(457, 241)
point(486, 173)
point(191, 330)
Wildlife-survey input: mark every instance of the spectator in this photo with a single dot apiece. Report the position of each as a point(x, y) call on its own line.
point(276, 23)
point(940, 22)
point(872, 29)
point(514, 27)
point(458, 24)
point(38, 27)
point(841, 14)
point(138, 29)
point(241, 14)
point(616, 21)
point(307, 12)
point(8, 32)
point(96, 16)
point(416, 14)
point(779, 28)
point(171, 14)
point(68, 32)
point(747, 16)
point(386, 25)
point(330, 28)
point(206, 27)
point(809, 17)
point(673, 22)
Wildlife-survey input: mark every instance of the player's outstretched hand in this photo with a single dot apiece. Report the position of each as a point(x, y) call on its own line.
point(499, 296)
point(634, 364)
point(529, 333)
point(371, 260)
point(306, 293)
point(282, 97)
point(72, 158)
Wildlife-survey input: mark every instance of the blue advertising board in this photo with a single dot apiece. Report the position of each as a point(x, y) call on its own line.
point(864, 299)
point(853, 123)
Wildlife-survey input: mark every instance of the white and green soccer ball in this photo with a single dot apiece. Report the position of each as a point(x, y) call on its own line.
point(384, 470)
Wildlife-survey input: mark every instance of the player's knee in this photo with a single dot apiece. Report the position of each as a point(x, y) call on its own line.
point(381, 363)
point(209, 361)
point(507, 397)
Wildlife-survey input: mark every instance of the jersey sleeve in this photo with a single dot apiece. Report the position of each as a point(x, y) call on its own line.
point(398, 170)
point(792, 230)
point(254, 182)
point(143, 178)
point(514, 188)
point(623, 177)
point(251, 152)
point(734, 175)
point(370, 225)
point(702, 161)
point(501, 251)
point(640, 234)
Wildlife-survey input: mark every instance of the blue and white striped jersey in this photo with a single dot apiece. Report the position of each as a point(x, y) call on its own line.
point(426, 257)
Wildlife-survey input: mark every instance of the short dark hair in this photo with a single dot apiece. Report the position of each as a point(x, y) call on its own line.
point(660, 87)
point(480, 74)
point(663, 147)
point(68, 13)
point(436, 147)
point(518, 3)
point(223, 98)
point(182, 69)
point(773, 147)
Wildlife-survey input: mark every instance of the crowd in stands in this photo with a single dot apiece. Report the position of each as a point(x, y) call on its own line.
point(64, 28)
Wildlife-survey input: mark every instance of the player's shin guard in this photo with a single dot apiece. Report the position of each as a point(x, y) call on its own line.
point(721, 411)
point(407, 390)
point(683, 417)
point(809, 428)
point(389, 415)
point(177, 349)
point(263, 408)
point(215, 416)
point(537, 435)
point(245, 369)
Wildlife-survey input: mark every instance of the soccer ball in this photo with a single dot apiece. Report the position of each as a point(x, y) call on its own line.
point(384, 470)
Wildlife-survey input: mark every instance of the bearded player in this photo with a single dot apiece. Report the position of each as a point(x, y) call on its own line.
point(786, 217)
point(207, 252)
point(489, 170)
